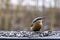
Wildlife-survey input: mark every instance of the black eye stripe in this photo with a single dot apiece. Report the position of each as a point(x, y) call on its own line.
point(37, 20)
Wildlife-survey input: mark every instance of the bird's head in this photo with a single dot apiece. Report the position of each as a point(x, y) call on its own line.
point(38, 20)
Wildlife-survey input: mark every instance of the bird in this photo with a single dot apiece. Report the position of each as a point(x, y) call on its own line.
point(36, 24)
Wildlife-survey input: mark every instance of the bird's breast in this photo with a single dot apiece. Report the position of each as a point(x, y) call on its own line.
point(36, 27)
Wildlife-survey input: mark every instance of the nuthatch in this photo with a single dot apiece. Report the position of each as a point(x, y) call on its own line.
point(36, 24)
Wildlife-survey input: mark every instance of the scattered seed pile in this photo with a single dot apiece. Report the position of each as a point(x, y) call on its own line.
point(27, 34)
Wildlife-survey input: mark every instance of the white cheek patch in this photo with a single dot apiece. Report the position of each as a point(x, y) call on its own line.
point(40, 22)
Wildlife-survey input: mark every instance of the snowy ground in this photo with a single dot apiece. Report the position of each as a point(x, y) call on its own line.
point(29, 35)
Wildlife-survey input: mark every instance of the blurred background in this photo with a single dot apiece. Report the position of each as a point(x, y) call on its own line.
point(18, 14)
